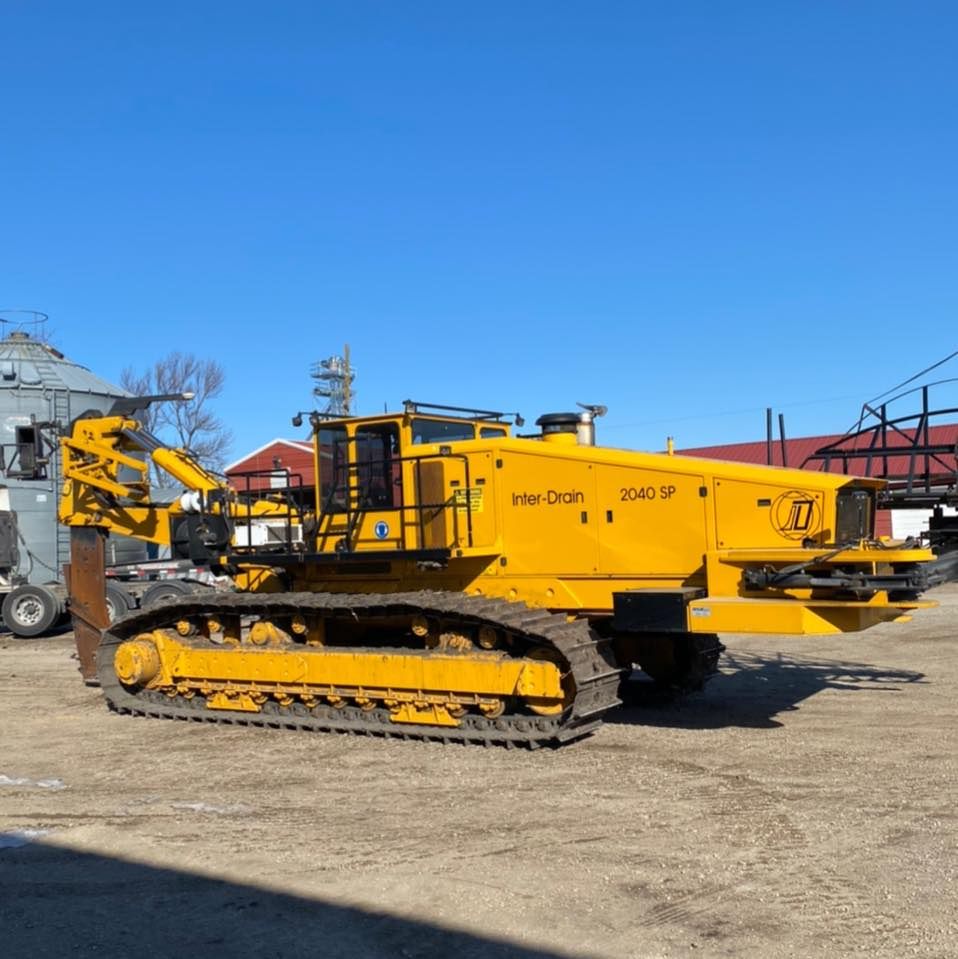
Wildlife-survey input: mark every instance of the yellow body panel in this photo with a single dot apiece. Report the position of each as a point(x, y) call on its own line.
point(726, 614)
point(633, 500)
point(564, 526)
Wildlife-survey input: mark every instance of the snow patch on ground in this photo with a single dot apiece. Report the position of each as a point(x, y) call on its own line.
point(53, 784)
point(21, 837)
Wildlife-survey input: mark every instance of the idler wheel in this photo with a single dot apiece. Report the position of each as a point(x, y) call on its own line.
point(136, 662)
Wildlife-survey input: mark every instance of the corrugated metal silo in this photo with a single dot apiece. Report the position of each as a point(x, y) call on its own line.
point(38, 384)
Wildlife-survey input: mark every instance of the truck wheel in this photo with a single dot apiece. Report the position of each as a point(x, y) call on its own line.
point(165, 589)
point(31, 610)
point(118, 601)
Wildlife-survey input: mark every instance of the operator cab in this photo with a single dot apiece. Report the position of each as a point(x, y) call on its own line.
point(373, 472)
point(373, 450)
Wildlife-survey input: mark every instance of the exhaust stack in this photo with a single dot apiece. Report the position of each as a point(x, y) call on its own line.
point(571, 427)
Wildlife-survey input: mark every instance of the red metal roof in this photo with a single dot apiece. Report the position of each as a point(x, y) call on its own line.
point(799, 449)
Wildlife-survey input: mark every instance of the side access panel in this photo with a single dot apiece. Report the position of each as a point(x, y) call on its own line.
point(549, 516)
point(651, 522)
point(754, 515)
point(457, 504)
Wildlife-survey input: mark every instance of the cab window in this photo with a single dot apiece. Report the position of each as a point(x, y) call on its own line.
point(488, 432)
point(376, 454)
point(439, 431)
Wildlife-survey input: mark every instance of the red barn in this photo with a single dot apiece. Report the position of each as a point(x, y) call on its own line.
point(278, 463)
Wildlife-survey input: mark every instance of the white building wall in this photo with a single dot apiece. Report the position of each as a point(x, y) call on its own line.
point(913, 522)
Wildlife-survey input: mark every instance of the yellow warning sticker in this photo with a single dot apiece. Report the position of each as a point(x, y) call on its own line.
point(469, 499)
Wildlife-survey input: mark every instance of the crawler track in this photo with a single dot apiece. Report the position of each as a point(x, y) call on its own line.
point(588, 657)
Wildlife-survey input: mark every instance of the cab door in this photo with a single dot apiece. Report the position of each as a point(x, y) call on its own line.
point(377, 488)
point(332, 488)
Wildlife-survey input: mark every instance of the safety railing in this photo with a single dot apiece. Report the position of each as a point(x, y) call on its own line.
point(350, 502)
point(916, 453)
point(284, 528)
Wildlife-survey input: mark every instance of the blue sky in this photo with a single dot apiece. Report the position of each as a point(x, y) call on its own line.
point(686, 211)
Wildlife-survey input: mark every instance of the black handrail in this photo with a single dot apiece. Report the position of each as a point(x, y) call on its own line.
point(913, 433)
point(292, 493)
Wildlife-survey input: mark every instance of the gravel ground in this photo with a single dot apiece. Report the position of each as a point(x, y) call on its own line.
point(803, 805)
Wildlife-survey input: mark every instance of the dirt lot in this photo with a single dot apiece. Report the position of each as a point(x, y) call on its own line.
point(805, 805)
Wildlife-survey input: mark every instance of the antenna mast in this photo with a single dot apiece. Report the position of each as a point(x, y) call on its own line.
point(334, 384)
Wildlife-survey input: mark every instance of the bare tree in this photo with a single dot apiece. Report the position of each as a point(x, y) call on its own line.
point(192, 424)
point(137, 384)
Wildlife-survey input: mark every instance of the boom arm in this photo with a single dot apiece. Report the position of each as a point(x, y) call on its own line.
point(105, 467)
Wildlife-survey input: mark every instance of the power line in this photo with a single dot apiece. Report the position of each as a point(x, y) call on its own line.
point(722, 413)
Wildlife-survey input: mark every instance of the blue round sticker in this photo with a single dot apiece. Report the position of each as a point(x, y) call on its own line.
point(381, 529)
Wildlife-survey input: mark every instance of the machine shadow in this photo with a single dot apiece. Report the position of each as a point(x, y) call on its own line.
point(56, 902)
point(751, 690)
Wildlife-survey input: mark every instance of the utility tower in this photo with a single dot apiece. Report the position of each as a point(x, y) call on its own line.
point(334, 384)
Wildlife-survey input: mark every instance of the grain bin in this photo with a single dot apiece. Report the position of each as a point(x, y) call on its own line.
point(39, 385)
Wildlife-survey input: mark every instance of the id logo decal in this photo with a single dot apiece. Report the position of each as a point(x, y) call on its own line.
point(795, 515)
